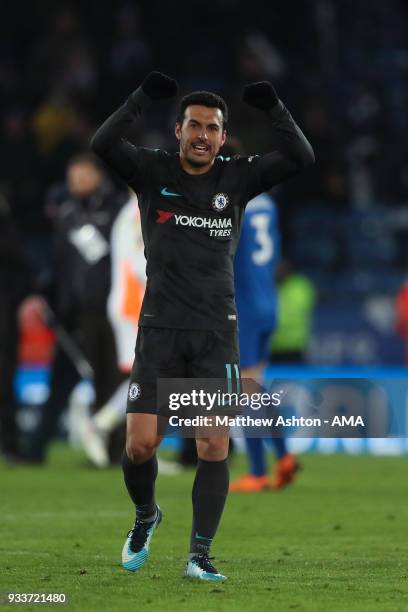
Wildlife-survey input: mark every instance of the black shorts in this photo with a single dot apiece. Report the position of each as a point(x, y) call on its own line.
point(179, 353)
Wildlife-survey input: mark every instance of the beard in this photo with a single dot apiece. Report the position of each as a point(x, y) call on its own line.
point(198, 163)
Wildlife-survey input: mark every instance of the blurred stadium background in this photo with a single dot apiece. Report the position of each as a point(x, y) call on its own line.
point(340, 67)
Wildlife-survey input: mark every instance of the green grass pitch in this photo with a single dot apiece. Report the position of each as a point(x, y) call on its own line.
point(336, 540)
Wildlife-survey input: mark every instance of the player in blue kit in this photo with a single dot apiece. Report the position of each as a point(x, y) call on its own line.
point(255, 293)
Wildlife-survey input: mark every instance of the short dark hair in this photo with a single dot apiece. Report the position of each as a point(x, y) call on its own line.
point(204, 98)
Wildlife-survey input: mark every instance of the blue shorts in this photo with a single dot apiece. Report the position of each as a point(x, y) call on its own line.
point(253, 342)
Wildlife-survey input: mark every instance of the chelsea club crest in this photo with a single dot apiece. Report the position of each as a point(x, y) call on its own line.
point(220, 202)
point(134, 391)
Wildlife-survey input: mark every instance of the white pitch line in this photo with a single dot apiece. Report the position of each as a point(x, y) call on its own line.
point(73, 514)
point(33, 553)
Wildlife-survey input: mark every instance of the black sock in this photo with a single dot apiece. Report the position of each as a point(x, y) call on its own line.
point(209, 494)
point(139, 480)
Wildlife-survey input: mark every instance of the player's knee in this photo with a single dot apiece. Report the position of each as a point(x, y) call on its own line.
point(138, 450)
point(212, 449)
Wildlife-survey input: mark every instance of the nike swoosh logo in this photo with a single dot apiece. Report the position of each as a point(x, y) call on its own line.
point(165, 192)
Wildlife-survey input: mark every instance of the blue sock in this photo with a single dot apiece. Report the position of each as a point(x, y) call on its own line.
point(280, 447)
point(256, 456)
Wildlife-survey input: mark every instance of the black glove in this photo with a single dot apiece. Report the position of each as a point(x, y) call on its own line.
point(159, 86)
point(261, 95)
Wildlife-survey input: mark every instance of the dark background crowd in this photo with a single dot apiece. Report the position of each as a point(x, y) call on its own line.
point(341, 68)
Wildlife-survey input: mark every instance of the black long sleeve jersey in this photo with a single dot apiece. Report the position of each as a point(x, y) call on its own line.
point(191, 223)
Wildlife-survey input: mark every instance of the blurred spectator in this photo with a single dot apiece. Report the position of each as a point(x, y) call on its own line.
point(296, 301)
point(401, 306)
point(83, 222)
point(60, 132)
point(128, 274)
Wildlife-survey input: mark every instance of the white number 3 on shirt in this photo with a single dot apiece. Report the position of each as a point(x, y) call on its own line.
point(264, 253)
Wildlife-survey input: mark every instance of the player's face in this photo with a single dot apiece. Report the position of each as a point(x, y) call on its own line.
point(201, 136)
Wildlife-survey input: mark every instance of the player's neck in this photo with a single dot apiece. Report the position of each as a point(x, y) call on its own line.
point(191, 169)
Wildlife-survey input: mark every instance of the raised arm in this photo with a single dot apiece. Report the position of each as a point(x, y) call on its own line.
point(292, 151)
point(112, 141)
